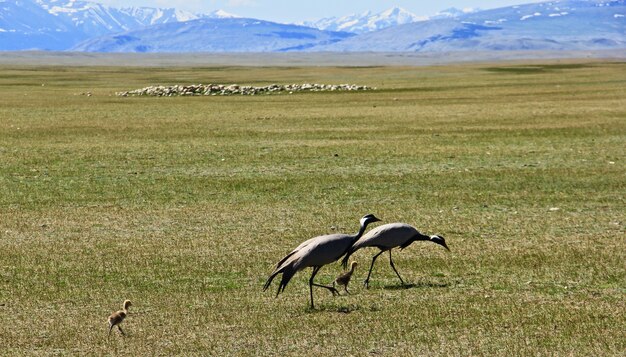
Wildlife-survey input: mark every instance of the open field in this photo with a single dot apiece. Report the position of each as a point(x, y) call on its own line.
point(290, 59)
point(184, 204)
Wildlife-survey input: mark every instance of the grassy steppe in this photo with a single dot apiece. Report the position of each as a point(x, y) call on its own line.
point(183, 205)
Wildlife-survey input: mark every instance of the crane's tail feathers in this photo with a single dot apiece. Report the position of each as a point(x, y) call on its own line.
point(269, 280)
point(344, 261)
point(284, 259)
point(287, 275)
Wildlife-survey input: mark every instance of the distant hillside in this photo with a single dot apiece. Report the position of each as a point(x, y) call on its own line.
point(214, 35)
point(556, 25)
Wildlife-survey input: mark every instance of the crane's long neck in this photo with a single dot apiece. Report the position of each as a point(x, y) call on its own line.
point(416, 237)
point(357, 235)
point(420, 236)
point(360, 232)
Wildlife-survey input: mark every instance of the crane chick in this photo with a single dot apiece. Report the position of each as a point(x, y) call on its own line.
point(344, 278)
point(116, 318)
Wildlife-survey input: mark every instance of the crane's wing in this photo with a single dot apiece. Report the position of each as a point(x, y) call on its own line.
point(298, 248)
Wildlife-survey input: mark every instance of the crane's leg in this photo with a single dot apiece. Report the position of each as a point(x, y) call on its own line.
point(334, 289)
point(110, 328)
point(122, 331)
point(330, 288)
point(315, 270)
point(311, 284)
point(394, 268)
point(367, 281)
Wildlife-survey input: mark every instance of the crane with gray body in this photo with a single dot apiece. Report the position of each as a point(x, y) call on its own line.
point(315, 253)
point(387, 237)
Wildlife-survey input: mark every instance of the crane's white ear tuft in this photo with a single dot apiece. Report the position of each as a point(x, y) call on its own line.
point(439, 240)
point(369, 218)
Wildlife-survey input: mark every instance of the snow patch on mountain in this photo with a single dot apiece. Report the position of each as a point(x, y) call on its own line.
point(366, 22)
point(221, 14)
point(369, 22)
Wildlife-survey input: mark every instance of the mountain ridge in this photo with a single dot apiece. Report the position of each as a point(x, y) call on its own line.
point(214, 35)
point(61, 24)
point(85, 26)
point(369, 22)
point(551, 25)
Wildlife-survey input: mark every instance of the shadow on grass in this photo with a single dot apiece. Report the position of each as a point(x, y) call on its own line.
point(334, 308)
point(423, 284)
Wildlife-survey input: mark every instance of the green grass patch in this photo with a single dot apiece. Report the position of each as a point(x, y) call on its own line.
point(532, 69)
point(184, 204)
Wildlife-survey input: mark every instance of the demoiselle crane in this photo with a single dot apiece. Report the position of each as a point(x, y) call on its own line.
point(387, 237)
point(315, 253)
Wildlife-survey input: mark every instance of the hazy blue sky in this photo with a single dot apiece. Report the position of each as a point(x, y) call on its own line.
point(300, 10)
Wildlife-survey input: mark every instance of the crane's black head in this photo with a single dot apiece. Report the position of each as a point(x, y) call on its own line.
point(439, 240)
point(369, 218)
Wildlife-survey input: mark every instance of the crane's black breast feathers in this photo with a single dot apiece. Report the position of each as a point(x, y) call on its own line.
point(406, 244)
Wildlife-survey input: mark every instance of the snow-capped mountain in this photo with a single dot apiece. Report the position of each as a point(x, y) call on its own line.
point(368, 22)
point(147, 16)
point(97, 19)
point(89, 18)
point(25, 25)
point(60, 24)
point(554, 25)
point(214, 35)
point(153, 16)
point(85, 26)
